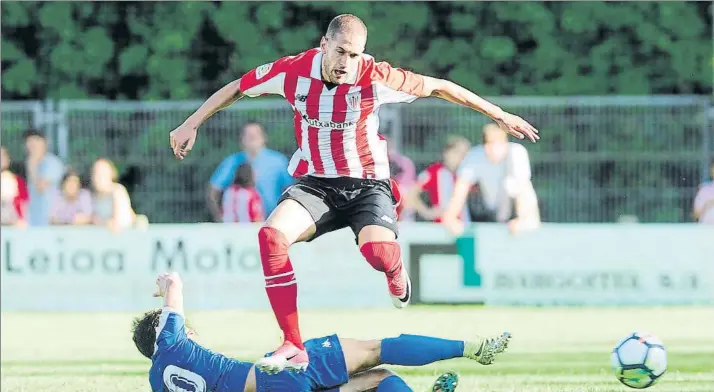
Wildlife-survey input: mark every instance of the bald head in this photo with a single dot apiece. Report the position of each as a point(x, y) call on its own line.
point(346, 24)
point(342, 47)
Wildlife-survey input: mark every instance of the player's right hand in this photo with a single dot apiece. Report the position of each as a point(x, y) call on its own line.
point(182, 139)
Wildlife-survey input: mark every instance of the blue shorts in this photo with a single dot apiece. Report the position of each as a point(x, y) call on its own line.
point(327, 370)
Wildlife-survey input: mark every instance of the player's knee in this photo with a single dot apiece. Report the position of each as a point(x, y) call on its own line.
point(273, 249)
point(374, 233)
point(382, 255)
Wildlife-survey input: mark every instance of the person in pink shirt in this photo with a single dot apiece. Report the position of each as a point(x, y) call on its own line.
point(704, 201)
point(71, 204)
point(241, 201)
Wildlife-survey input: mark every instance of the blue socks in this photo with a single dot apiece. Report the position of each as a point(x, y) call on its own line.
point(393, 384)
point(415, 350)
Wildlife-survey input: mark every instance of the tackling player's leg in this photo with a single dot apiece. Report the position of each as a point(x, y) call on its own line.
point(289, 223)
point(416, 350)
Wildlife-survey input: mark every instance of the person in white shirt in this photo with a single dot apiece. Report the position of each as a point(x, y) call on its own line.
point(502, 170)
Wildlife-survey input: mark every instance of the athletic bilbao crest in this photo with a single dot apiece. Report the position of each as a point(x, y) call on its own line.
point(353, 101)
point(263, 70)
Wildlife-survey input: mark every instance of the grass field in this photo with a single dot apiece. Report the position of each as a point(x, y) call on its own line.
point(564, 349)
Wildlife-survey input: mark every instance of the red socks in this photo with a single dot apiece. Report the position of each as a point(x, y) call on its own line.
point(280, 283)
point(384, 256)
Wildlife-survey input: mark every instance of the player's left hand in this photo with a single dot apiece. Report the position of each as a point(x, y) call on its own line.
point(182, 139)
point(517, 127)
point(163, 281)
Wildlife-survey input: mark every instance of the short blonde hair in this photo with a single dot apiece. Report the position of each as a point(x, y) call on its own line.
point(495, 130)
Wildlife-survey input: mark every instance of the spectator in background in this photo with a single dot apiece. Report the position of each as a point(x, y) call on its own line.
point(241, 201)
point(704, 201)
point(14, 197)
point(502, 170)
point(403, 172)
point(111, 205)
point(438, 180)
point(269, 166)
point(44, 173)
point(72, 204)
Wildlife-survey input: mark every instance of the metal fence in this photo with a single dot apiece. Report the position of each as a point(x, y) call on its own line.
point(599, 157)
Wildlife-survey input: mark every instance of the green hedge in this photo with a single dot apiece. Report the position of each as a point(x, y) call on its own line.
point(172, 50)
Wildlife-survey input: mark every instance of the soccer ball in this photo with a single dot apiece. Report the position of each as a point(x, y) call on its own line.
point(639, 360)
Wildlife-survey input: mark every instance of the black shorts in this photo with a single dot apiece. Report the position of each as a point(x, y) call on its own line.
point(336, 203)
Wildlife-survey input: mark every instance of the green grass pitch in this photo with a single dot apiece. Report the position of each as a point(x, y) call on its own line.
point(554, 349)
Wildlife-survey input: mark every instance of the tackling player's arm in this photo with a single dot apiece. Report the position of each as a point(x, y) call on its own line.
point(452, 92)
point(170, 286)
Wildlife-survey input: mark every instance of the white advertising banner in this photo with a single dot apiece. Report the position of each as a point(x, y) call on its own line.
point(84, 268)
point(574, 264)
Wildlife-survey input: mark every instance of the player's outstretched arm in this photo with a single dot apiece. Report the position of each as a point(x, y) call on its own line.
point(170, 286)
point(452, 92)
point(183, 138)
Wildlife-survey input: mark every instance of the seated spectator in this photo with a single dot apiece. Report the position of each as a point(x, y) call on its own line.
point(14, 198)
point(437, 182)
point(270, 167)
point(503, 173)
point(71, 205)
point(704, 201)
point(241, 201)
point(111, 205)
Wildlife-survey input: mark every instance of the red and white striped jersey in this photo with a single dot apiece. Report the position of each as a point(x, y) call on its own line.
point(437, 181)
point(336, 126)
point(242, 205)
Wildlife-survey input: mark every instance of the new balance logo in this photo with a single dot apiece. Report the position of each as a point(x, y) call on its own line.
point(387, 219)
point(326, 344)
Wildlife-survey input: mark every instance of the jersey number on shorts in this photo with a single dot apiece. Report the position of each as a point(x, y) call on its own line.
point(182, 380)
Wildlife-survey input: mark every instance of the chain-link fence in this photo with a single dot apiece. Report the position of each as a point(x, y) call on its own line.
point(599, 157)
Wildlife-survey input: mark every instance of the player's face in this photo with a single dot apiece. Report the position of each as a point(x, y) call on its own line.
point(341, 56)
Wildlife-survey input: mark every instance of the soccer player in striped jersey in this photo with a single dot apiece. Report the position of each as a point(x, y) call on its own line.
point(179, 363)
point(335, 92)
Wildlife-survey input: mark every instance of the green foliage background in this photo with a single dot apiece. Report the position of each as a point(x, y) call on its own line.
point(187, 50)
point(178, 50)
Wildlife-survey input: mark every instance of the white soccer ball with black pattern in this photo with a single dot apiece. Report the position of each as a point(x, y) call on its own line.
point(639, 360)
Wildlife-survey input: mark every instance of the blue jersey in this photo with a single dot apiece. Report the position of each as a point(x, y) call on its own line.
point(180, 364)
